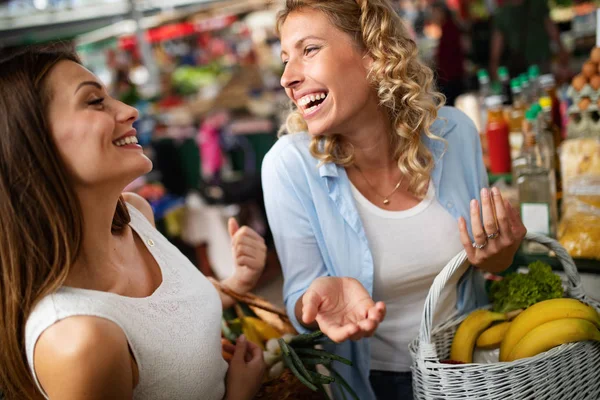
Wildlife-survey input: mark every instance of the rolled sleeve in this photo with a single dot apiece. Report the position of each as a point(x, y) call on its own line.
point(288, 216)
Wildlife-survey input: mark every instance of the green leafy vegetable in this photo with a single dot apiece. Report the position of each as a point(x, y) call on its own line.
point(517, 290)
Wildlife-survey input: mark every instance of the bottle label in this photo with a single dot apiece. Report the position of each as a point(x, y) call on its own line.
point(536, 217)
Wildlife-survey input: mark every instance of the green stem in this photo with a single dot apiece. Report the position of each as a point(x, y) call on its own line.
point(324, 354)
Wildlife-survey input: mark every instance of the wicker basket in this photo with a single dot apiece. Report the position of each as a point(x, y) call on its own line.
point(570, 371)
point(286, 386)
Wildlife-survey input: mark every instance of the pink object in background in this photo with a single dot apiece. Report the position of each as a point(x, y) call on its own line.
point(208, 142)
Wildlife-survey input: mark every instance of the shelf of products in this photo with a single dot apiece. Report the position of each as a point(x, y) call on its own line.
point(541, 144)
point(583, 265)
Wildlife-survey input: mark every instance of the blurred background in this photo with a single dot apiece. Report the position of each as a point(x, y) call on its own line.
point(205, 77)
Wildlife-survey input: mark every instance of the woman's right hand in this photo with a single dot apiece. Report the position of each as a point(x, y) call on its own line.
point(246, 371)
point(342, 307)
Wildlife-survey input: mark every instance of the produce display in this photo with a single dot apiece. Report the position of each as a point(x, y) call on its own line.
point(283, 349)
point(529, 316)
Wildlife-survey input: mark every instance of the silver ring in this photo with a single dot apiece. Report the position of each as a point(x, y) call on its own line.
point(479, 246)
point(494, 235)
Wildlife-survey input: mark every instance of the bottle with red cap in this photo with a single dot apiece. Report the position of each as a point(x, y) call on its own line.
point(497, 132)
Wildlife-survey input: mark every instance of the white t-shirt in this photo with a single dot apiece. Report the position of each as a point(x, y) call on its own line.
point(409, 249)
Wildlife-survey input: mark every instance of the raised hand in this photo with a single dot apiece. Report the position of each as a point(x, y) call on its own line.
point(497, 238)
point(342, 307)
point(249, 254)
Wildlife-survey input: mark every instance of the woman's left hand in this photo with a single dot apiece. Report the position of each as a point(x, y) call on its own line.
point(497, 239)
point(249, 254)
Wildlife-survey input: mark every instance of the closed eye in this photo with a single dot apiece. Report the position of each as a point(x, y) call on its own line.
point(310, 49)
point(96, 102)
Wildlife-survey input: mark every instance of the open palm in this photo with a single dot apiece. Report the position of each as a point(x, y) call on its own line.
point(342, 307)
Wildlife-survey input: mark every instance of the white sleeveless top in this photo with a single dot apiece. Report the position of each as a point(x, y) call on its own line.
point(174, 333)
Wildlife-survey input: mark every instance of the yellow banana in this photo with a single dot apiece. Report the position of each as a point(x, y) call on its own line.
point(540, 313)
point(492, 337)
point(251, 333)
point(265, 330)
point(468, 332)
point(552, 334)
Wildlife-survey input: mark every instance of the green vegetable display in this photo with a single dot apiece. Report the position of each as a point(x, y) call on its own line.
point(301, 358)
point(517, 291)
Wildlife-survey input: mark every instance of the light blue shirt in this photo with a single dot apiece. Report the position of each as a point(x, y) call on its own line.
point(318, 231)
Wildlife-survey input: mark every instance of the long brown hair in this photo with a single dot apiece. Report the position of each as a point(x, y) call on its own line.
point(41, 222)
point(404, 84)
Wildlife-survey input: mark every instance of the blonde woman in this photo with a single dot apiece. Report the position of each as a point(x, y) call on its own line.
point(379, 188)
point(95, 302)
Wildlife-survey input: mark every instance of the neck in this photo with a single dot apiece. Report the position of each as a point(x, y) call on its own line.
point(370, 138)
point(98, 242)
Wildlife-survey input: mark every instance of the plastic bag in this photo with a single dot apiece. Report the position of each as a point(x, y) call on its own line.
point(579, 157)
point(579, 229)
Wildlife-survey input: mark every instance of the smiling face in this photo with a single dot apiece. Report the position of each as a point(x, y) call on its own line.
point(93, 132)
point(325, 73)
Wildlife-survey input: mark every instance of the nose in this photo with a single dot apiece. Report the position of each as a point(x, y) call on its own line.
point(126, 113)
point(292, 76)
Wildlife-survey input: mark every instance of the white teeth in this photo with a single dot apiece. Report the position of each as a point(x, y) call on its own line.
point(125, 141)
point(311, 97)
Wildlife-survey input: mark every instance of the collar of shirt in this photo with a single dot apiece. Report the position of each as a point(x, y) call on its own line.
point(339, 189)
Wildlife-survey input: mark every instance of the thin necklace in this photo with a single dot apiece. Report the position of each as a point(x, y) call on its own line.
point(386, 199)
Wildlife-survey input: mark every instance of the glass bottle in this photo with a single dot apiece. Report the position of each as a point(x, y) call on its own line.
point(548, 85)
point(497, 136)
point(485, 91)
point(516, 116)
point(552, 134)
point(536, 188)
point(526, 88)
point(534, 83)
point(504, 78)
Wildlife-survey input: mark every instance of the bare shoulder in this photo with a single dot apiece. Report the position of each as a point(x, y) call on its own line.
point(84, 357)
point(141, 204)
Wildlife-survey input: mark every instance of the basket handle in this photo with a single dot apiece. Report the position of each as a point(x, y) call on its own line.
point(574, 287)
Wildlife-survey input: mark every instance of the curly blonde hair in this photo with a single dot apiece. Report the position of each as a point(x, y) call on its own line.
point(404, 85)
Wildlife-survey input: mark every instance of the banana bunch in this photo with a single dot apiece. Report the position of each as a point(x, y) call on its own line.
point(492, 337)
point(548, 324)
point(469, 331)
point(539, 328)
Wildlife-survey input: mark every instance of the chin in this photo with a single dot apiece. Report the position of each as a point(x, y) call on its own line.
point(134, 172)
point(320, 129)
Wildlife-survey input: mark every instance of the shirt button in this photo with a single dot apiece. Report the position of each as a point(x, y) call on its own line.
point(449, 205)
point(150, 242)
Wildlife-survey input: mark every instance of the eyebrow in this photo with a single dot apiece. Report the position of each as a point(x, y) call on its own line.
point(300, 41)
point(88, 83)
